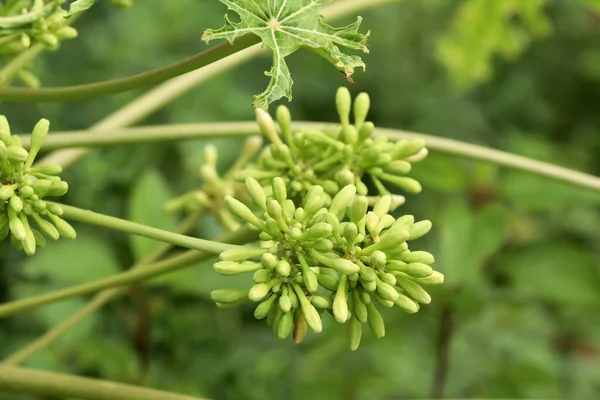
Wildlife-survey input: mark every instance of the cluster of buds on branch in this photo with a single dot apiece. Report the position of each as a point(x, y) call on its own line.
point(23, 188)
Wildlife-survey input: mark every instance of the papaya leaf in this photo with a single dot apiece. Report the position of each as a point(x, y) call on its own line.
point(283, 27)
point(79, 6)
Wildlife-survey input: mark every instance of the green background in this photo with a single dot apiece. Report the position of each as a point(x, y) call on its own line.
point(518, 316)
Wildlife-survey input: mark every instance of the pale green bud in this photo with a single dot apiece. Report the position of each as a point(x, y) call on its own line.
point(388, 278)
point(317, 231)
point(382, 301)
point(362, 103)
point(228, 268)
point(358, 307)
point(310, 278)
point(365, 131)
point(263, 308)
point(419, 229)
point(242, 212)
point(340, 302)
point(6, 192)
point(5, 131)
point(371, 221)
point(420, 156)
point(256, 192)
point(48, 39)
point(262, 276)
point(414, 290)
point(58, 188)
point(320, 301)
point(386, 291)
point(16, 203)
point(314, 200)
point(286, 323)
point(259, 291)
point(272, 228)
point(279, 190)
point(369, 286)
point(398, 167)
point(342, 201)
point(269, 261)
point(378, 259)
point(38, 136)
point(354, 334)
point(409, 184)
point(367, 274)
point(375, 321)
point(284, 119)
point(322, 245)
point(66, 32)
point(406, 303)
point(358, 209)
point(343, 101)
point(382, 206)
point(46, 227)
point(16, 225)
point(344, 177)
point(328, 282)
point(341, 265)
point(229, 296)
point(267, 126)
point(242, 253)
point(436, 278)
point(283, 268)
point(350, 233)
point(300, 329)
point(285, 302)
point(16, 154)
point(311, 314)
point(350, 134)
point(407, 148)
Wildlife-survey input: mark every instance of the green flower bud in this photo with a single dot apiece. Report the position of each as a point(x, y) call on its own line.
point(409, 184)
point(262, 276)
point(267, 126)
point(46, 227)
point(344, 177)
point(422, 257)
point(386, 291)
point(420, 156)
point(242, 253)
point(284, 119)
point(359, 309)
point(58, 188)
point(40, 240)
point(414, 290)
point(269, 261)
point(16, 154)
point(358, 209)
point(228, 268)
point(55, 209)
point(313, 200)
point(16, 225)
point(382, 301)
point(66, 32)
point(279, 190)
point(322, 245)
point(350, 233)
point(16, 203)
point(286, 323)
point(229, 296)
point(342, 201)
point(406, 303)
point(300, 329)
point(259, 291)
point(340, 302)
point(317, 231)
point(382, 206)
point(419, 229)
point(350, 134)
point(365, 131)
point(388, 278)
point(311, 314)
point(63, 227)
point(284, 268)
point(397, 167)
point(285, 302)
point(328, 282)
point(375, 321)
point(369, 286)
point(242, 212)
point(378, 259)
point(264, 307)
point(5, 131)
point(38, 136)
point(320, 301)
point(341, 265)
point(26, 192)
point(343, 101)
point(256, 192)
point(407, 148)
point(366, 273)
point(310, 278)
point(276, 212)
point(354, 334)
point(362, 103)
point(436, 278)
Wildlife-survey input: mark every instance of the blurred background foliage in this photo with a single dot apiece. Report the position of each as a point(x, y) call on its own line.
point(519, 316)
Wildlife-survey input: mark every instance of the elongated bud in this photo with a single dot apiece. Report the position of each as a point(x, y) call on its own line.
point(436, 278)
point(358, 209)
point(300, 329)
point(5, 131)
point(229, 296)
point(328, 282)
point(375, 321)
point(310, 278)
point(354, 334)
point(317, 231)
point(263, 308)
point(58, 188)
point(422, 257)
point(286, 323)
point(343, 101)
point(314, 200)
point(63, 227)
point(262, 276)
point(342, 200)
point(279, 190)
point(284, 268)
point(256, 192)
point(407, 148)
point(66, 32)
point(386, 291)
point(362, 103)
point(16, 153)
point(382, 206)
point(267, 126)
point(406, 303)
point(359, 309)
point(28, 243)
point(340, 302)
point(365, 131)
point(311, 315)
point(16, 204)
point(242, 212)
point(228, 268)
point(409, 184)
point(46, 227)
point(321, 302)
point(16, 225)
point(38, 136)
point(285, 302)
point(341, 265)
point(398, 167)
point(259, 291)
point(242, 253)
point(284, 119)
point(414, 290)
point(419, 229)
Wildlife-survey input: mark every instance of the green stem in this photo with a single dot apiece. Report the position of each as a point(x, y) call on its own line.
point(23, 19)
point(95, 304)
point(92, 218)
point(174, 88)
point(234, 129)
point(11, 69)
point(149, 271)
point(50, 384)
point(148, 78)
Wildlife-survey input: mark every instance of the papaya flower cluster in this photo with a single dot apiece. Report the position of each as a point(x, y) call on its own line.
point(32, 22)
point(327, 255)
point(23, 188)
point(336, 157)
point(215, 187)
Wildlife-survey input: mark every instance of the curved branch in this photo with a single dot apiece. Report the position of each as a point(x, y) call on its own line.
point(42, 383)
point(232, 129)
point(148, 78)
